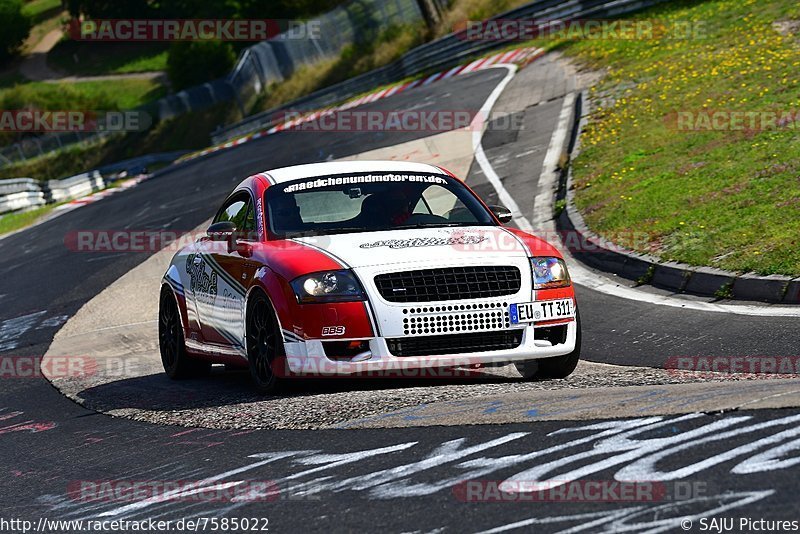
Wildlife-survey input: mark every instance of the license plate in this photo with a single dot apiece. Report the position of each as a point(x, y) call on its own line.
point(546, 310)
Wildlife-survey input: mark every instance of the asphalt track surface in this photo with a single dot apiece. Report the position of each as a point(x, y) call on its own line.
point(396, 480)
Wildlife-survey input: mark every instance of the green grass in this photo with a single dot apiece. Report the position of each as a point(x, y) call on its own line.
point(16, 221)
point(96, 95)
point(90, 59)
point(39, 10)
point(84, 96)
point(728, 199)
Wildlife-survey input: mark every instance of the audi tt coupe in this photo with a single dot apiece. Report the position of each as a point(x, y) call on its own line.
point(345, 268)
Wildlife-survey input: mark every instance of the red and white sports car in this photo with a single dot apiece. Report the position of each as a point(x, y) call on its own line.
point(362, 267)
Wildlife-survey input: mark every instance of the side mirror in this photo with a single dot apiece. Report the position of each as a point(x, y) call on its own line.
point(502, 213)
point(221, 231)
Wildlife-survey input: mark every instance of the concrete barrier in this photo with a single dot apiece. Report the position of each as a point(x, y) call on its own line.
point(21, 200)
point(76, 186)
point(25, 193)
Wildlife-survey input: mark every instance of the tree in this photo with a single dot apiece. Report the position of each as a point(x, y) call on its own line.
point(194, 62)
point(110, 9)
point(16, 28)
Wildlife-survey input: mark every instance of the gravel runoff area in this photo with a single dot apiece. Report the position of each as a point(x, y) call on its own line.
point(226, 399)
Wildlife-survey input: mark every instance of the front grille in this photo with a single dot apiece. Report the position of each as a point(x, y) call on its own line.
point(456, 318)
point(455, 344)
point(452, 283)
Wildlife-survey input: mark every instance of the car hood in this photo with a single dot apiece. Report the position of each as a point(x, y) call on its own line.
point(419, 245)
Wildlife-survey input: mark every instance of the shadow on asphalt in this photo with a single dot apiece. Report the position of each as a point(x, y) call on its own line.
point(158, 393)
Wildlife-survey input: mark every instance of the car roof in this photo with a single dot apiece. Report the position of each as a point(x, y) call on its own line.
point(312, 170)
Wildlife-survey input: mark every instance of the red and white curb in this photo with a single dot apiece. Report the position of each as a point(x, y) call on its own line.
point(520, 56)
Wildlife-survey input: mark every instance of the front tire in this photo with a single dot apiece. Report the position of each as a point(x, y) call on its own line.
point(177, 363)
point(558, 367)
point(264, 344)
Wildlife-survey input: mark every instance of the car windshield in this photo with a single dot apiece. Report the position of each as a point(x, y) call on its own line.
point(371, 202)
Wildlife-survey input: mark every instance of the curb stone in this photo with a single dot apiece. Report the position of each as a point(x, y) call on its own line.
point(603, 255)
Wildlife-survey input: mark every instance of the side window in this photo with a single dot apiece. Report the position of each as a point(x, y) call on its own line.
point(239, 210)
point(248, 230)
point(232, 210)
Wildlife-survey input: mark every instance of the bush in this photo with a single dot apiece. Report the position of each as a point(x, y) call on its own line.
point(194, 62)
point(16, 27)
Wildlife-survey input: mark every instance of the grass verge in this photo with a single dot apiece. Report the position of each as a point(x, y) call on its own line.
point(88, 59)
point(96, 95)
point(40, 10)
point(11, 222)
point(720, 197)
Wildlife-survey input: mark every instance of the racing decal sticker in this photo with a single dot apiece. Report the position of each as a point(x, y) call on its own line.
point(199, 280)
point(329, 181)
point(219, 298)
point(260, 219)
point(338, 330)
point(426, 242)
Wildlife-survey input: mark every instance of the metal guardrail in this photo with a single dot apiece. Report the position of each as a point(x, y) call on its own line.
point(443, 53)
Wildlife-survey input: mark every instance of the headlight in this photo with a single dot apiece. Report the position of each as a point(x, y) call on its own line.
point(549, 273)
point(327, 286)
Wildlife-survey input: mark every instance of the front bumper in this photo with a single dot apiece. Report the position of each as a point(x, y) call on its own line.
point(309, 358)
